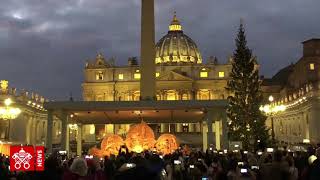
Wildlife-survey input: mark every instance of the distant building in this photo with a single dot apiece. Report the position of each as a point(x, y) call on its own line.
point(30, 126)
point(297, 87)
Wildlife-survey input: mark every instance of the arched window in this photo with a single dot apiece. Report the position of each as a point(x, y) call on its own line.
point(204, 94)
point(171, 95)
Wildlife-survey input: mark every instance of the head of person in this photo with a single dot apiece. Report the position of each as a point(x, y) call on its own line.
point(79, 167)
point(277, 156)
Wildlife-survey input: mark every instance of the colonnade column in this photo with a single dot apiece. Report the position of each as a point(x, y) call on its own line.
point(225, 141)
point(204, 136)
point(68, 139)
point(191, 127)
point(217, 135)
point(178, 127)
point(164, 128)
point(49, 131)
point(79, 140)
point(64, 132)
point(207, 133)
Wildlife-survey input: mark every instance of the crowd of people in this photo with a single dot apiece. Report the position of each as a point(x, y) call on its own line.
point(209, 165)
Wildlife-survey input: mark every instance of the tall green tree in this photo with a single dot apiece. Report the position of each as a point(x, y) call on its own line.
point(246, 121)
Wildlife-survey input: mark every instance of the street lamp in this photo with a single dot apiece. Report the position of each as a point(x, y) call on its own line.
point(8, 113)
point(270, 110)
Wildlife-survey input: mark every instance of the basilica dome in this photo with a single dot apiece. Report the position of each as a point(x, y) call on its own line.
point(177, 47)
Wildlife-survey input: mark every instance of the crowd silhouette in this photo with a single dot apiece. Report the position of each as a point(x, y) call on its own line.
point(149, 165)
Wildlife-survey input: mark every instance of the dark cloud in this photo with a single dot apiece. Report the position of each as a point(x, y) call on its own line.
point(44, 43)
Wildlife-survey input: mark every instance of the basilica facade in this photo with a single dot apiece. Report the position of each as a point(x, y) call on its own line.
point(180, 75)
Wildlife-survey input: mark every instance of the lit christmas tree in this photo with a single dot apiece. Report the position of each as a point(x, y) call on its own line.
point(246, 121)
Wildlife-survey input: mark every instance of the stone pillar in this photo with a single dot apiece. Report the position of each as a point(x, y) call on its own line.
point(191, 127)
point(224, 138)
point(178, 127)
point(64, 131)
point(109, 128)
point(198, 127)
point(217, 135)
point(163, 128)
point(49, 131)
point(68, 140)
point(204, 136)
point(209, 119)
point(148, 68)
point(79, 140)
point(207, 132)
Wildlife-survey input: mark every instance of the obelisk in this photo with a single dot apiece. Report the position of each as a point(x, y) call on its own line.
point(148, 68)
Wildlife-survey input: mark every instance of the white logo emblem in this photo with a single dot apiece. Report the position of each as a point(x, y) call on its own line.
point(22, 157)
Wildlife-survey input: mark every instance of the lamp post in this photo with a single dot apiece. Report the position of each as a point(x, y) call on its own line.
point(270, 110)
point(7, 113)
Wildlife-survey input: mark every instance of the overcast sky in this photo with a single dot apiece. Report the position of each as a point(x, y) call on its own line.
point(44, 43)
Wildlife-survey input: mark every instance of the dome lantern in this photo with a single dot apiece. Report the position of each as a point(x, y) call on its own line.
point(175, 24)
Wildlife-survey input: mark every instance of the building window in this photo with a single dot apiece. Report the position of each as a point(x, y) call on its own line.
point(204, 74)
point(120, 76)
point(157, 74)
point(137, 74)
point(221, 74)
point(171, 95)
point(311, 66)
point(99, 75)
point(204, 94)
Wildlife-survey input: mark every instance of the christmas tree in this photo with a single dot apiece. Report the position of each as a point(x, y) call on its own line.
point(246, 122)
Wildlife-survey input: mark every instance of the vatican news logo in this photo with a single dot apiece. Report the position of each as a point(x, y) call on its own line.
point(26, 158)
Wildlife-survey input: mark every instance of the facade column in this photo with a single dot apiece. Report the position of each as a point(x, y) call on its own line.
point(79, 140)
point(207, 132)
point(217, 135)
point(191, 127)
point(178, 127)
point(204, 136)
point(224, 138)
point(68, 140)
point(210, 115)
point(198, 127)
point(49, 131)
point(64, 132)
point(109, 128)
point(163, 128)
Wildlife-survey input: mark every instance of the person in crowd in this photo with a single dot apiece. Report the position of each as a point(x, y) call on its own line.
point(233, 173)
point(315, 167)
point(78, 170)
point(95, 171)
point(276, 170)
point(292, 170)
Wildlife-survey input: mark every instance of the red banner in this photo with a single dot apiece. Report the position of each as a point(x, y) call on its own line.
point(26, 158)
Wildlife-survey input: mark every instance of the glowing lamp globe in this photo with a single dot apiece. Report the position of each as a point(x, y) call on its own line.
point(166, 144)
point(140, 137)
